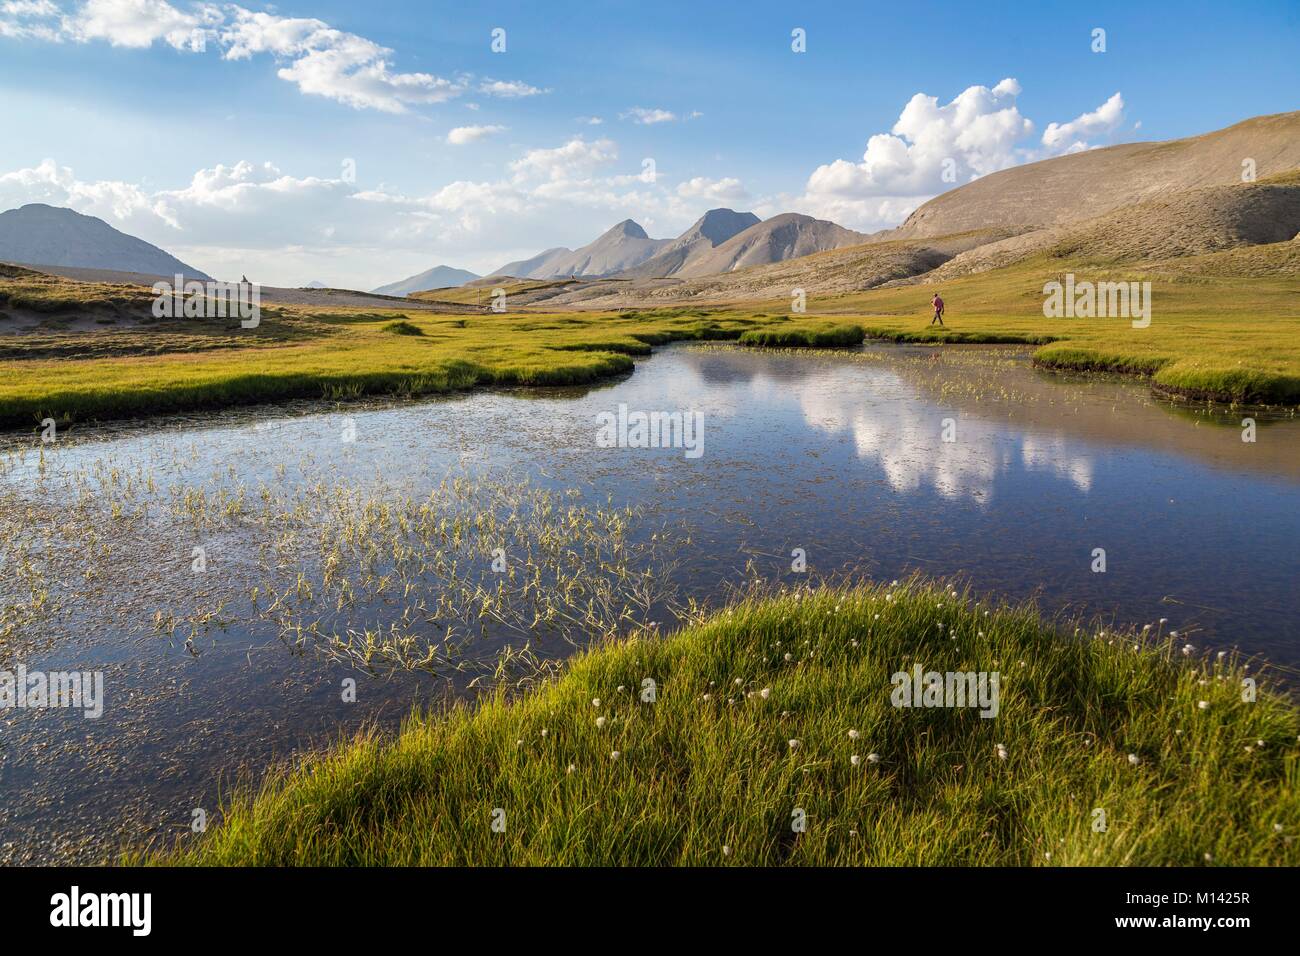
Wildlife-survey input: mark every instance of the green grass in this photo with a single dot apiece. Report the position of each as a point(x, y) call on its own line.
point(1224, 327)
point(296, 354)
point(696, 773)
point(821, 336)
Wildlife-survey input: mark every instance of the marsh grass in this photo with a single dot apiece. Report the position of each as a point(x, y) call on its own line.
point(826, 335)
point(1224, 328)
point(349, 355)
point(475, 575)
point(709, 765)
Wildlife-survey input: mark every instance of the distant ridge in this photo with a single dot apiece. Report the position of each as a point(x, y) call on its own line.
point(620, 247)
point(54, 236)
point(721, 240)
point(439, 277)
point(787, 236)
point(711, 230)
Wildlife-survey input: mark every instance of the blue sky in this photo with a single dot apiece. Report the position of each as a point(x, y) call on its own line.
point(314, 140)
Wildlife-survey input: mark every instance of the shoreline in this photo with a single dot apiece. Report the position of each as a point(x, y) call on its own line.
point(455, 376)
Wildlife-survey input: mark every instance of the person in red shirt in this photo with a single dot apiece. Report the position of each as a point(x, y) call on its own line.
point(938, 310)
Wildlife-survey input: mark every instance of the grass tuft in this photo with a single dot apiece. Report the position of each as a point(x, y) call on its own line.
point(709, 763)
point(402, 327)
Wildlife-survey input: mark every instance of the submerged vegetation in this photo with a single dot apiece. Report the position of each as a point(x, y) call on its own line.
point(765, 734)
point(477, 575)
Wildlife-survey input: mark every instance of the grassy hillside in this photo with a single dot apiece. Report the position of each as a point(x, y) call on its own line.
point(782, 704)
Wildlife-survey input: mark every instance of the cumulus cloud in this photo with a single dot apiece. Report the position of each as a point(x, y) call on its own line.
point(318, 59)
point(1072, 136)
point(471, 134)
point(575, 160)
point(140, 23)
point(934, 147)
point(279, 228)
point(56, 185)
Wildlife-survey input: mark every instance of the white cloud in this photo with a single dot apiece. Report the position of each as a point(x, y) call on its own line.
point(29, 20)
point(509, 89)
point(138, 23)
point(648, 117)
point(28, 8)
point(470, 134)
point(575, 160)
point(933, 148)
point(590, 120)
point(1071, 136)
point(255, 219)
point(56, 185)
point(971, 136)
point(318, 59)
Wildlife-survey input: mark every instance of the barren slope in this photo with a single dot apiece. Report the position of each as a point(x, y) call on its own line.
point(1084, 185)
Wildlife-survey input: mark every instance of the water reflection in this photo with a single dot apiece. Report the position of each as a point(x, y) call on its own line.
point(840, 455)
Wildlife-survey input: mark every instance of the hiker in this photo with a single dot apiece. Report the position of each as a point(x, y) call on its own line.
point(938, 310)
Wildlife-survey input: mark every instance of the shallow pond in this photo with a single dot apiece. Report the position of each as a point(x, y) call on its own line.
point(349, 543)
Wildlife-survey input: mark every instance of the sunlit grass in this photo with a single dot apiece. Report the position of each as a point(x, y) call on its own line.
point(354, 356)
point(1224, 327)
point(1217, 331)
point(758, 712)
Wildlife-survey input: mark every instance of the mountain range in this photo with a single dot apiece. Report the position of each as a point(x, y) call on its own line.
point(1233, 192)
point(37, 234)
point(1234, 187)
point(722, 240)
